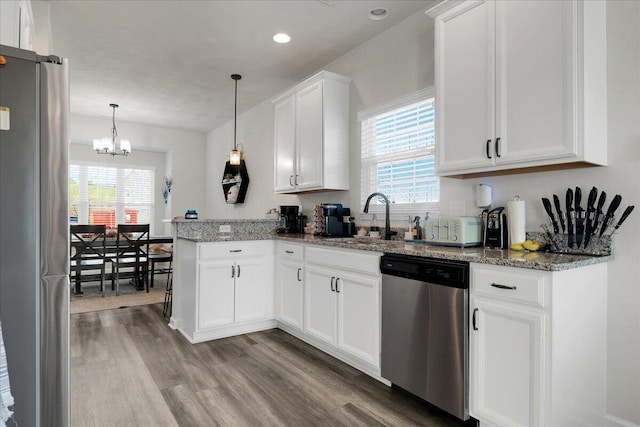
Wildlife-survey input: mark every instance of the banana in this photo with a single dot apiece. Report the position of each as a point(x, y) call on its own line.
point(517, 247)
point(531, 245)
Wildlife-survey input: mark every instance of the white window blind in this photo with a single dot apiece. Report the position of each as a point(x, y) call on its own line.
point(398, 155)
point(110, 195)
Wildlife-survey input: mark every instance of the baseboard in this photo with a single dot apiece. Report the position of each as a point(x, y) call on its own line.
point(231, 330)
point(613, 421)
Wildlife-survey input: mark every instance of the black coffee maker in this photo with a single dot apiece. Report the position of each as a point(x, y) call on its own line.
point(289, 222)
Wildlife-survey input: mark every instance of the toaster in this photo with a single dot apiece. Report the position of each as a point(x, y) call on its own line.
point(460, 231)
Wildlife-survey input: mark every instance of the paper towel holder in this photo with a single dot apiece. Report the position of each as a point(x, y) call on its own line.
point(483, 196)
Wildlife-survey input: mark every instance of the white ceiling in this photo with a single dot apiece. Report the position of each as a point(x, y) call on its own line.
point(168, 63)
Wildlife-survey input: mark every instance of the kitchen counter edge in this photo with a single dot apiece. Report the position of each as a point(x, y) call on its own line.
point(507, 258)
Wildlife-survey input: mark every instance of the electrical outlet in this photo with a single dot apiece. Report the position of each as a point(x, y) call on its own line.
point(225, 228)
point(456, 208)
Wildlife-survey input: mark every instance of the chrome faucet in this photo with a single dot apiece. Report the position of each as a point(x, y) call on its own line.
point(387, 224)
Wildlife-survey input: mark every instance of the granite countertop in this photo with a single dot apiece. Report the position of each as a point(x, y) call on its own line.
point(223, 221)
point(532, 260)
point(207, 230)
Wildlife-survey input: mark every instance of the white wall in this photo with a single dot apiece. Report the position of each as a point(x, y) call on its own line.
point(185, 158)
point(393, 64)
point(399, 62)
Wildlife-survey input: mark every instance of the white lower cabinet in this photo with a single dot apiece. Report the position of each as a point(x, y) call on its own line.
point(342, 305)
point(231, 291)
point(289, 284)
point(537, 346)
point(507, 357)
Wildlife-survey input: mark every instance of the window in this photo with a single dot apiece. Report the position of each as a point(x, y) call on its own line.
point(398, 154)
point(110, 195)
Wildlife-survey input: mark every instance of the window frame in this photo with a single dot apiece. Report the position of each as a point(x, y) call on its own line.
point(84, 205)
point(398, 211)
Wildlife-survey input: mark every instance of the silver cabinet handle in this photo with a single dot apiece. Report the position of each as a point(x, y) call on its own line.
point(298, 274)
point(496, 285)
point(296, 180)
point(238, 270)
point(290, 180)
point(233, 272)
point(235, 250)
point(333, 289)
point(337, 281)
point(288, 252)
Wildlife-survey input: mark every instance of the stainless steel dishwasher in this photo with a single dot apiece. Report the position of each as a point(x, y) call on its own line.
point(424, 329)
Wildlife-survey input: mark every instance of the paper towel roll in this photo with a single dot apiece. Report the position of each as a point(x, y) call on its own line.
point(517, 220)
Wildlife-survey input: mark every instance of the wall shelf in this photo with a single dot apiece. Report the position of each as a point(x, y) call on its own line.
point(235, 176)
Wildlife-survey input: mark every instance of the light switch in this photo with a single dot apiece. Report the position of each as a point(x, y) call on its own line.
point(5, 118)
point(225, 228)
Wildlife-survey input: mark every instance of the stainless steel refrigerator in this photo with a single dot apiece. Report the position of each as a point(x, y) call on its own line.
point(34, 242)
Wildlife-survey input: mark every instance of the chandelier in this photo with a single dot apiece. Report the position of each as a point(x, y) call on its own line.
point(107, 145)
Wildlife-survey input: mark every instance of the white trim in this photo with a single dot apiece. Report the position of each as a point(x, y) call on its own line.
point(440, 8)
point(403, 101)
point(613, 421)
point(112, 165)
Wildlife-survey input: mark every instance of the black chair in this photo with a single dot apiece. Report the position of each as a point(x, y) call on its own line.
point(87, 253)
point(168, 295)
point(160, 257)
point(132, 256)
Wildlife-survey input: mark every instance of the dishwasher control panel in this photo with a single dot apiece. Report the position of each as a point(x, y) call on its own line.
point(461, 231)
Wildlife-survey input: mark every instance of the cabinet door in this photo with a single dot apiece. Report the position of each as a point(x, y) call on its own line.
point(465, 86)
point(309, 137)
point(359, 316)
point(251, 289)
point(215, 294)
point(534, 68)
point(320, 303)
point(290, 293)
point(506, 362)
point(285, 140)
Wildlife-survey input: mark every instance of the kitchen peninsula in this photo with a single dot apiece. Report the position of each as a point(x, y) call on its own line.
point(237, 276)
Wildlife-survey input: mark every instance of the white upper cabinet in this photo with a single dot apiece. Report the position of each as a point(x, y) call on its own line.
point(520, 84)
point(312, 135)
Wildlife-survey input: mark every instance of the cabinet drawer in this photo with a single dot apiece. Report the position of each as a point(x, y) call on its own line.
point(233, 249)
point(512, 284)
point(345, 260)
point(289, 251)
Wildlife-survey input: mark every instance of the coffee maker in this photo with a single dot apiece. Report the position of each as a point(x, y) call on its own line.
point(337, 220)
point(289, 222)
point(495, 228)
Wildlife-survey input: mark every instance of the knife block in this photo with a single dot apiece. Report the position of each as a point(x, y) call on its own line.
point(559, 243)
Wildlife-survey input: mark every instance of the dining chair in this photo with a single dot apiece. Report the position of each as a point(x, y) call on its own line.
point(87, 253)
point(132, 254)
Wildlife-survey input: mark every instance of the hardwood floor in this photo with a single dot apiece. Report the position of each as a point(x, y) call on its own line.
point(128, 368)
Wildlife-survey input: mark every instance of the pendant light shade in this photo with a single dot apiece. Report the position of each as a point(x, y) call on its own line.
point(235, 156)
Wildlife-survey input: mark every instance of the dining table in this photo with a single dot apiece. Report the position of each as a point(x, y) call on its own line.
point(160, 255)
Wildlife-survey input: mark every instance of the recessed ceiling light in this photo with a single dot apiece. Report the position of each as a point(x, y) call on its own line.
point(281, 38)
point(378, 13)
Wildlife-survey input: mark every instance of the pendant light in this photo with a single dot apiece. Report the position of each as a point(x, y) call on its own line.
point(108, 145)
point(235, 156)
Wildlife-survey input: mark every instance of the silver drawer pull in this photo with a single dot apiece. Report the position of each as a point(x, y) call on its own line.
point(288, 252)
point(235, 250)
point(496, 285)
